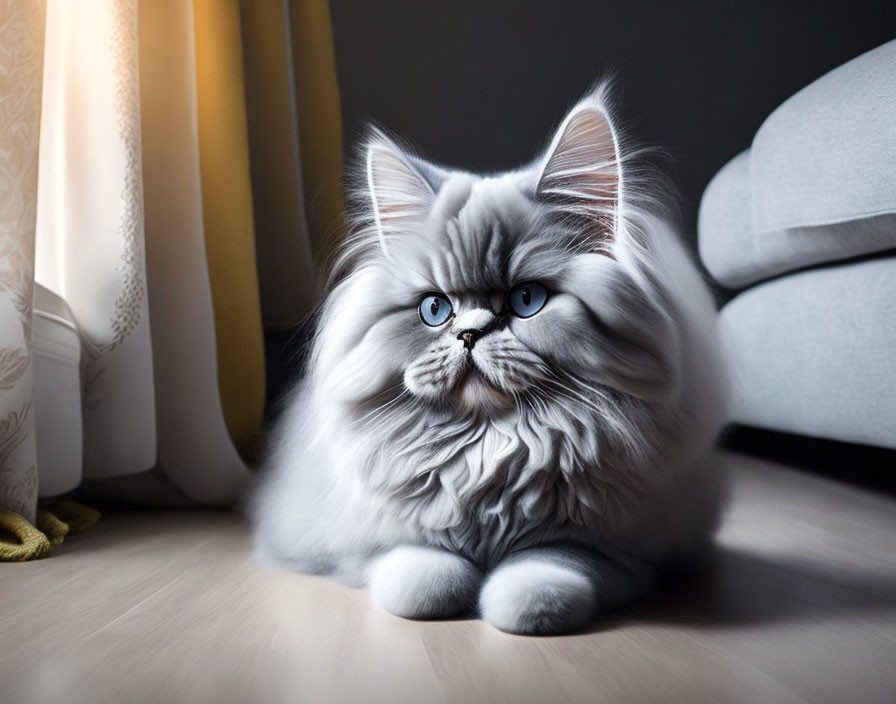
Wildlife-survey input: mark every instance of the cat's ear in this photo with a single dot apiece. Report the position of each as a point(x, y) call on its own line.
point(401, 187)
point(582, 172)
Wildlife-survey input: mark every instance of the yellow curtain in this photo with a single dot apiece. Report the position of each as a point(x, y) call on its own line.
point(295, 138)
point(287, 275)
point(227, 218)
point(195, 450)
point(320, 127)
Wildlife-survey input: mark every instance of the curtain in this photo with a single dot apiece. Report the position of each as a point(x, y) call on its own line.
point(90, 240)
point(170, 176)
point(314, 71)
point(21, 59)
point(228, 219)
point(285, 261)
point(296, 150)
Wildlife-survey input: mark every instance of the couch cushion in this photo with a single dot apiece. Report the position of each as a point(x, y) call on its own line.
point(818, 183)
point(813, 353)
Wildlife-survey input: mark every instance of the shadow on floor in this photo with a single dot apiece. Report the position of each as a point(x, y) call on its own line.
point(738, 588)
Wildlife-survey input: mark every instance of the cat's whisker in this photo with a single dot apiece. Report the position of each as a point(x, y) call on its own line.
point(383, 411)
point(380, 410)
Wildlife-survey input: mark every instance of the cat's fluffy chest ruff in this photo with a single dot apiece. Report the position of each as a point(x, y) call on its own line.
point(484, 487)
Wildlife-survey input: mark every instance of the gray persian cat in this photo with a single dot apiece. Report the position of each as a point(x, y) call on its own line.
point(512, 395)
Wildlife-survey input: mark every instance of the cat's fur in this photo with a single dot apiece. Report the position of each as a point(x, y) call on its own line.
point(544, 474)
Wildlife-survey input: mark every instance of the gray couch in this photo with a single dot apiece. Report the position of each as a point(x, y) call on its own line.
point(803, 224)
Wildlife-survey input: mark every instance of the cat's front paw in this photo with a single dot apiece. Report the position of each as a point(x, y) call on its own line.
point(533, 597)
point(420, 582)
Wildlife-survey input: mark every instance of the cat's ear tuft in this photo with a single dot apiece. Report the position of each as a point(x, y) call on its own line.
point(582, 170)
point(400, 195)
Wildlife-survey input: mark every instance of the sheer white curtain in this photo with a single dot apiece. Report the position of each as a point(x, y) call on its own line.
point(89, 247)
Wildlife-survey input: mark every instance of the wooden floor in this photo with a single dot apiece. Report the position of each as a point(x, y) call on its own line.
point(798, 606)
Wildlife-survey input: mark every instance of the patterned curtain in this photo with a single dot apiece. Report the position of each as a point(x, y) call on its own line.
point(170, 181)
point(21, 59)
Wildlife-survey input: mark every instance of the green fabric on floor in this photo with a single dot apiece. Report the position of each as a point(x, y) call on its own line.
point(20, 541)
point(78, 516)
point(52, 527)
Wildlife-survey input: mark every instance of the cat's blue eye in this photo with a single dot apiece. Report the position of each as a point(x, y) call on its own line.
point(435, 309)
point(525, 300)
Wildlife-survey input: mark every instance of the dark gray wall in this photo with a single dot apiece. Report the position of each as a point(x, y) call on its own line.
point(480, 84)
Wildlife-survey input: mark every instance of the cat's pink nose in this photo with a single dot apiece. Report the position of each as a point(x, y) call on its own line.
point(469, 338)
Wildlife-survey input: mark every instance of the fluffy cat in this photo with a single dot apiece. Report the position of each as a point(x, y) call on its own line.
point(512, 395)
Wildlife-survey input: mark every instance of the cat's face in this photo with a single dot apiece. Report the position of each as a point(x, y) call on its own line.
point(494, 299)
point(487, 293)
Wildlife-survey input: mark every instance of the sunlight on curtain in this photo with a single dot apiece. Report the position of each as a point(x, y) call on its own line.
point(21, 57)
point(227, 219)
point(194, 448)
point(89, 247)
